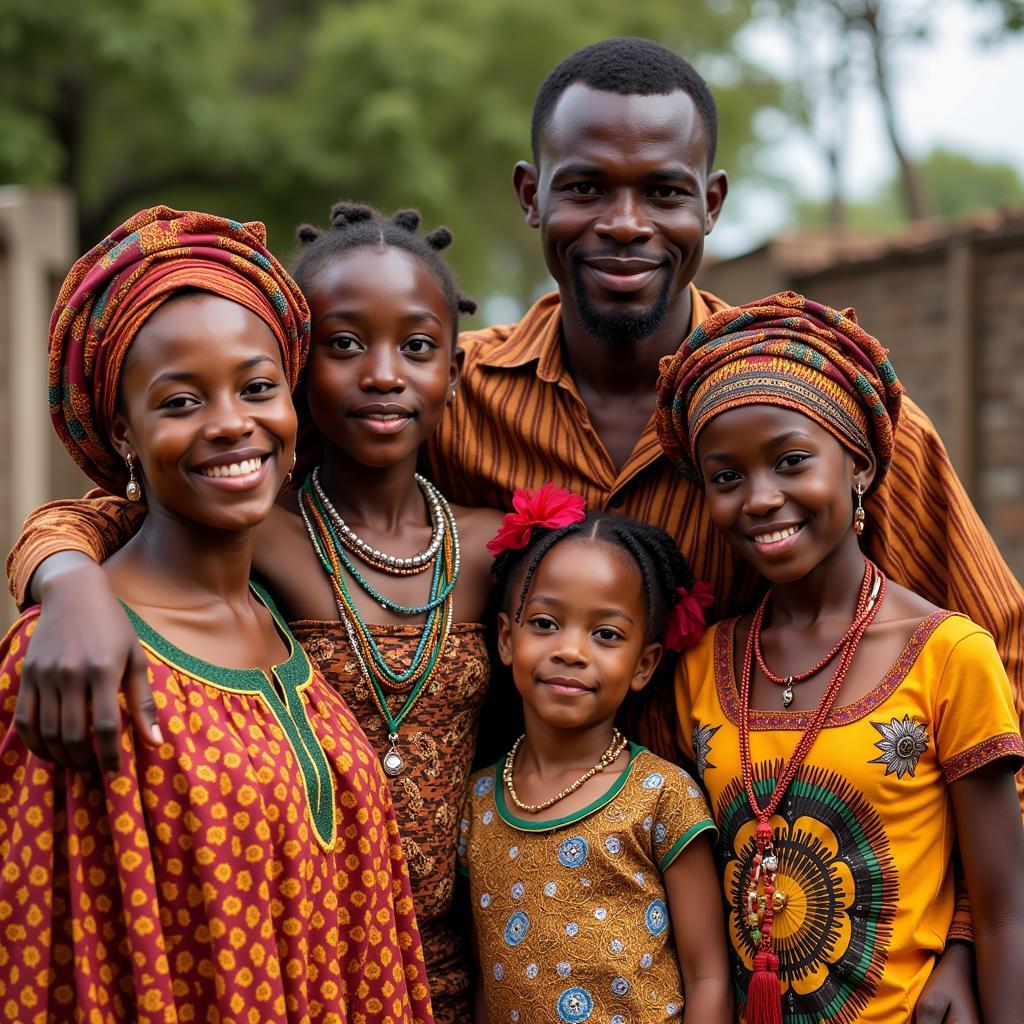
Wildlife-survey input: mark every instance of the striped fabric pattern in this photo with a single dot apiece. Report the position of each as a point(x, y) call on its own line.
point(519, 421)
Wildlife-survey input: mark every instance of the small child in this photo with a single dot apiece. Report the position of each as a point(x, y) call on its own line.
point(592, 883)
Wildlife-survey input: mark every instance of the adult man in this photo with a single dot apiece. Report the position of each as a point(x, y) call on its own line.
point(622, 191)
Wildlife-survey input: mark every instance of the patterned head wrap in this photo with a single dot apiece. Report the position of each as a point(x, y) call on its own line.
point(782, 350)
point(116, 286)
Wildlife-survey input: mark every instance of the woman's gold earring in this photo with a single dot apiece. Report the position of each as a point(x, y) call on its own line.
point(858, 512)
point(288, 478)
point(133, 492)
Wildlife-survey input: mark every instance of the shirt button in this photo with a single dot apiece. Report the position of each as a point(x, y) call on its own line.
point(617, 502)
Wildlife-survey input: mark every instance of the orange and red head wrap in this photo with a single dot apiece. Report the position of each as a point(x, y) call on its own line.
point(782, 350)
point(116, 286)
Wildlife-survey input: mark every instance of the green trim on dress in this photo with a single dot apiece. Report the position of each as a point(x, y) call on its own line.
point(684, 841)
point(527, 825)
point(291, 713)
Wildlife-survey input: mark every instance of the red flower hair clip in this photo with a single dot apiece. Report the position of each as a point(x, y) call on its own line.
point(686, 623)
point(549, 506)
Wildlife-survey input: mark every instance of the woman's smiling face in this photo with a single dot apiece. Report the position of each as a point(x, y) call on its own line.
point(779, 487)
point(206, 413)
point(382, 366)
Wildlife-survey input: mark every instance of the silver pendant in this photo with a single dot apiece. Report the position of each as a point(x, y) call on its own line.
point(392, 761)
point(787, 693)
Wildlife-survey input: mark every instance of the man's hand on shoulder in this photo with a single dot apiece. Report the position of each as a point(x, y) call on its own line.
point(82, 650)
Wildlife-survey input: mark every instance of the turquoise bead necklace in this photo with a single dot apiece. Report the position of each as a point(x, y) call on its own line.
point(331, 536)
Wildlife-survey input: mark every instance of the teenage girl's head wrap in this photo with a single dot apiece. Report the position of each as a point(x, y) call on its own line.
point(116, 286)
point(782, 350)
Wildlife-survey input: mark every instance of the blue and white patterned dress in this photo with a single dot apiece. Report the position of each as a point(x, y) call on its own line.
point(571, 915)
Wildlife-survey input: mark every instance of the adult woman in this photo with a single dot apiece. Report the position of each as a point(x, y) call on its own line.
point(247, 867)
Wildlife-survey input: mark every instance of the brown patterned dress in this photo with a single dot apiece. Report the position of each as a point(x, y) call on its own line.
point(436, 741)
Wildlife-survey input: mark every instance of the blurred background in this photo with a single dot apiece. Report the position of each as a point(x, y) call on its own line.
point(874, 149)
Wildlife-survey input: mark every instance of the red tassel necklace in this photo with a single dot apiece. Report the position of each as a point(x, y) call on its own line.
point(764, 994)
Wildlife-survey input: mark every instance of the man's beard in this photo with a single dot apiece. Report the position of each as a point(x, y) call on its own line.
point(619, 327)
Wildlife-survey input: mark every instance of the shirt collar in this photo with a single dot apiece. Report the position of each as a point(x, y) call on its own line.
point(538, 337)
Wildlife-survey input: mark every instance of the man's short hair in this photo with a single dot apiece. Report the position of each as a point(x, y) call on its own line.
point(630, 67)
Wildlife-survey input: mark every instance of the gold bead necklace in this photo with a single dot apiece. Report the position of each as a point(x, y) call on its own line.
point(610, 756)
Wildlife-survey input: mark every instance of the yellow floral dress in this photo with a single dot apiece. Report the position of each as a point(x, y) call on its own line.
point(864, 834)
point(571, 917)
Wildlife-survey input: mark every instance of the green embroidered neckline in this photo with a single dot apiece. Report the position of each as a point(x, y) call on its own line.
point(535, 825)
point(288, 707)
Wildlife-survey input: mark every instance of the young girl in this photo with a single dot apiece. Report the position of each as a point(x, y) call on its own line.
point(247, 867)
point(847, 731)
point(383, 582)
point(593, 887)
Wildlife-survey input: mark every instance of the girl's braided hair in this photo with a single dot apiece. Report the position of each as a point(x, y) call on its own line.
point(663, 569)
point(649, 717)
point(354, 225)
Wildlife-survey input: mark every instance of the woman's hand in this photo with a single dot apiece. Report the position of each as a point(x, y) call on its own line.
point(82, 650)
point(948, 996)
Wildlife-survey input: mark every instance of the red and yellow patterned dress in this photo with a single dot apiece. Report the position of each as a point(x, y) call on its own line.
point(247, 870)
point(436, 741)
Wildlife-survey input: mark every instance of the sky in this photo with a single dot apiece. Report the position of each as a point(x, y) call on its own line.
point(950, 91)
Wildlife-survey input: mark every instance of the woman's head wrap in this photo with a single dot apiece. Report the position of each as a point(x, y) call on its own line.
point(782, 350)
point(114, 288)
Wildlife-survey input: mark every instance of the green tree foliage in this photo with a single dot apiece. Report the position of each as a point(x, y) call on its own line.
point(954, 183)
point(271, 109)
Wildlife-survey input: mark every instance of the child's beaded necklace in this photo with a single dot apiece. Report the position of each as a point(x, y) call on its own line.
point(331, 538)
point(763, 994)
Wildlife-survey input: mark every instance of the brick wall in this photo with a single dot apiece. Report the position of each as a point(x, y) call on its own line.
point(999, 348)
point(952, 313)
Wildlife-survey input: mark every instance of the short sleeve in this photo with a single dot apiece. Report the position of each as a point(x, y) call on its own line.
point(975, 719)
point(681, 814)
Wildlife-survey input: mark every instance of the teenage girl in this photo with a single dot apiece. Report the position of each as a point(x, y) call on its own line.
point(847, 731)
point(382, 581)
point(592, 882)
point(246, 867)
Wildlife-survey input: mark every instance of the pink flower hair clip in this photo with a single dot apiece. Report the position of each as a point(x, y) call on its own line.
point(686, 624)
point(549, 506)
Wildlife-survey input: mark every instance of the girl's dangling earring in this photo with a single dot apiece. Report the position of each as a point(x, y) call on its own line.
point(133, 492)
point(288, 478)
point(858, 512)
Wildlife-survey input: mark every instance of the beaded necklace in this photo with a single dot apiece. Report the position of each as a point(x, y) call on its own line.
point(610, 756)
point(763, 899)
point(799, 677)
point(326, 529)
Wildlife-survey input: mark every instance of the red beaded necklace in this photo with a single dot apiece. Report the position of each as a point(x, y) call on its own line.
point(868, 593)
point(764, 1004)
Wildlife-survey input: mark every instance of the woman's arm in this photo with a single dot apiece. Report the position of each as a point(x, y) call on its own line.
point(698, 926)
point(991, 838)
